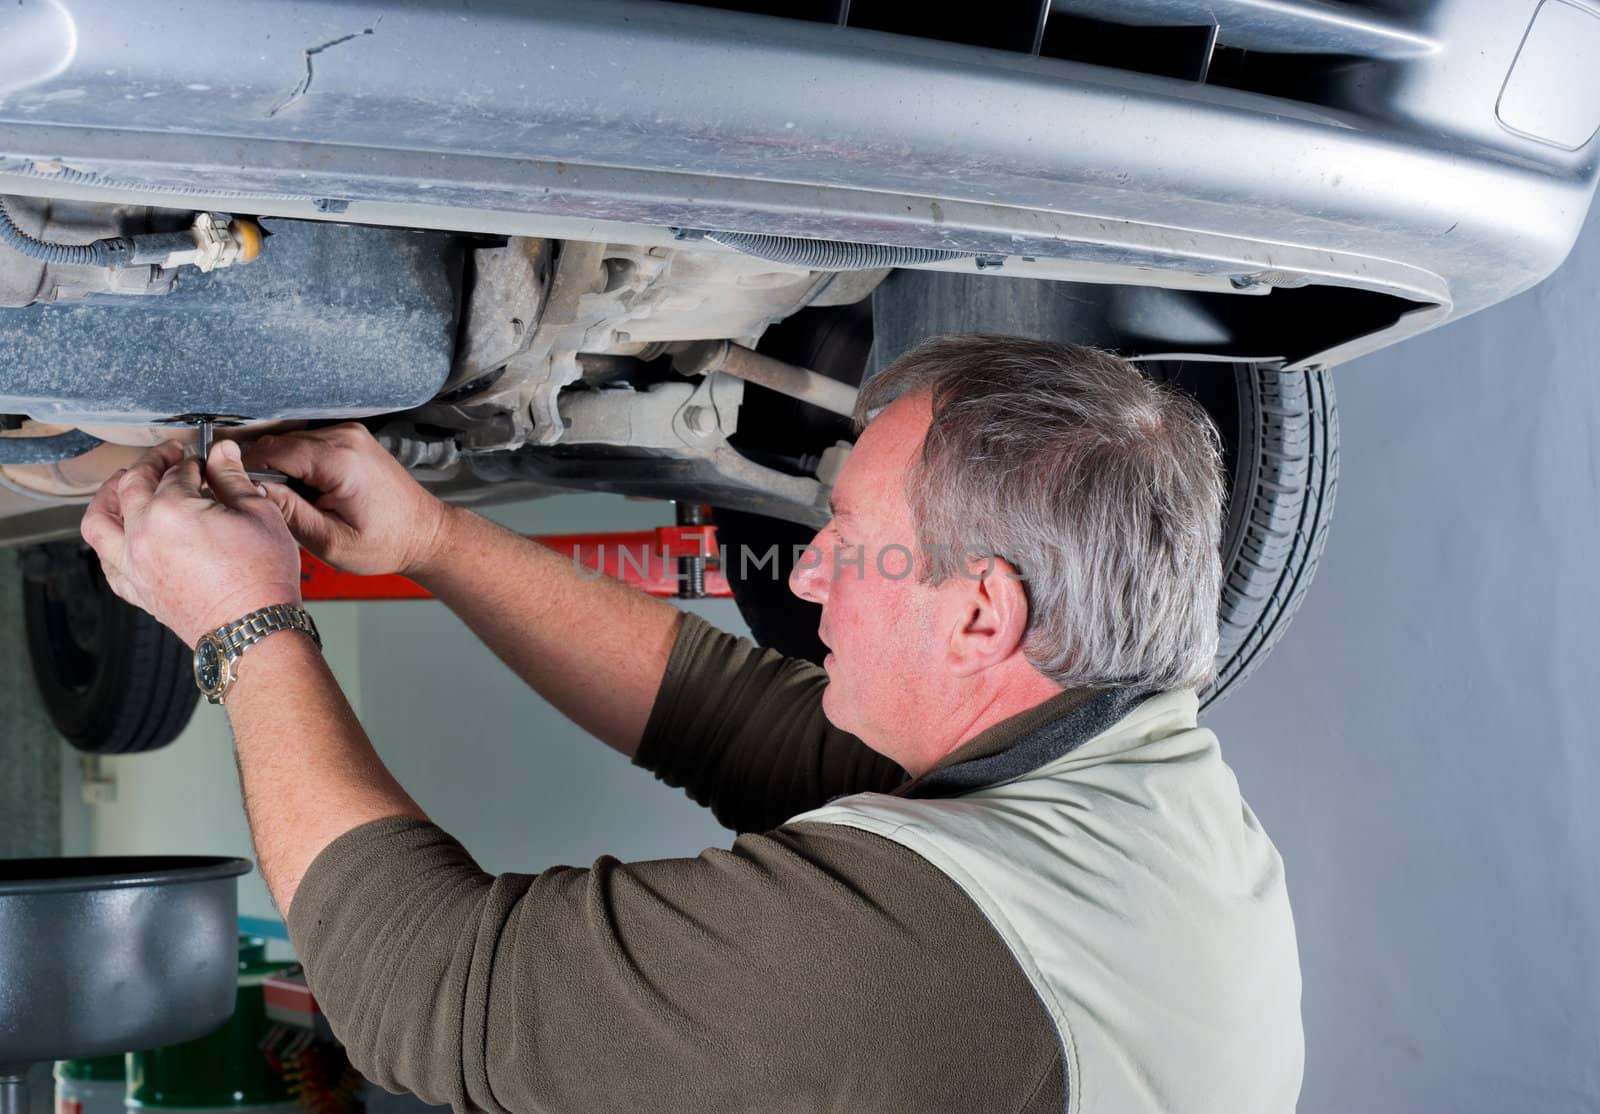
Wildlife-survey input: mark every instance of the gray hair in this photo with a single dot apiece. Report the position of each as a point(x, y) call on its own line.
point(1102, 487)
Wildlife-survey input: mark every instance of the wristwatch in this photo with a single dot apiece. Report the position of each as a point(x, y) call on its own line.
point(216, 655)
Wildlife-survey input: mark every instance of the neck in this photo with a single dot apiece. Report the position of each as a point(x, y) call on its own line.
point(986, 704)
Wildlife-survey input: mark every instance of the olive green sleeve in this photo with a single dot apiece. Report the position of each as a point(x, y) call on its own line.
point(815, 967)
point(741, 730)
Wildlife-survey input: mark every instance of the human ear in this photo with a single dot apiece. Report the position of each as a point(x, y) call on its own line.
point(992, 616)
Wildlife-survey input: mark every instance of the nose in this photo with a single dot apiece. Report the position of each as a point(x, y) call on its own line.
point(807, 579)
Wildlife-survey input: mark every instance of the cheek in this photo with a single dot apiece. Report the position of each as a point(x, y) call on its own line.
point(880, 624)
point(853, 615)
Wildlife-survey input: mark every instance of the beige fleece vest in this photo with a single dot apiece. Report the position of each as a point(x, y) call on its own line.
point(1143, 902)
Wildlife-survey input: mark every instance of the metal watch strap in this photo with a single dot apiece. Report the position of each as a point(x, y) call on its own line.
point(236, 637)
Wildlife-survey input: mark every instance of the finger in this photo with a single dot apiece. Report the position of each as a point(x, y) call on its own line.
point(138, 484)
point(227, 477)
point(182, 481)
point(102, 523)
point(107, 499)
point(309, 456)
point(310, 527)
point(104, 535)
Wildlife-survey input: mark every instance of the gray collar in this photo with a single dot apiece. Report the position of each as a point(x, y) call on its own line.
point(1044, 743)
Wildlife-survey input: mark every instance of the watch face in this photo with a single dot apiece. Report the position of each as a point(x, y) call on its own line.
point(210, 667)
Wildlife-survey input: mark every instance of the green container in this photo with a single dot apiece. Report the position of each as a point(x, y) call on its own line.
point(224, 1070)
point(101, 1069)
point(97, 1086)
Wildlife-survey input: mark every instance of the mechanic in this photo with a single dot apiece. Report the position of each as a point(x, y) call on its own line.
point(990, 862)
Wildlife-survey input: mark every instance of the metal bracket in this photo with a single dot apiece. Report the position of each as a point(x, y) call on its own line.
point(99, 784)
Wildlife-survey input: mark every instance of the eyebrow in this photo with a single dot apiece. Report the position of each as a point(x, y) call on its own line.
point(836, 510)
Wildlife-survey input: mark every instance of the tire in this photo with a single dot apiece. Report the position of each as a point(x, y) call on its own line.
point(1280, 435)
point(113, 680)
point(777, 618)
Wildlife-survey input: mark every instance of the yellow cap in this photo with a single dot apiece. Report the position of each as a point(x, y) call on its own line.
point(248, 233)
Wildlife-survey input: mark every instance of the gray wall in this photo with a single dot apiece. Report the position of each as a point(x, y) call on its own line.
point(494, 765)
point(1420, 745)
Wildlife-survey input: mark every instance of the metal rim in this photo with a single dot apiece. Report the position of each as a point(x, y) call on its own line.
point(106, 872)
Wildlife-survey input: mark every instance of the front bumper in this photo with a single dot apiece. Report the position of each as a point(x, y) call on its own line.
point(1401, 193)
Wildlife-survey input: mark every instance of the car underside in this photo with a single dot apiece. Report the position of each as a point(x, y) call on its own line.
point(651, 248)
point(519, 235)
point(481, 360)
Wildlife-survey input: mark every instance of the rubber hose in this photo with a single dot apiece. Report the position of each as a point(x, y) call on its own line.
point(828, 255)
point(46, 450)
point(115, 251)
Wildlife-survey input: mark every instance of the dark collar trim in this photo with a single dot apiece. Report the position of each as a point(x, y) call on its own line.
point(1043, 744)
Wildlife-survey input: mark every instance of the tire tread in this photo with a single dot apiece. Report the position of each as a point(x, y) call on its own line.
point(1297, 463)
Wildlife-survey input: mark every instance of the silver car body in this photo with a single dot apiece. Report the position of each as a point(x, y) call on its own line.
point(1290, 181)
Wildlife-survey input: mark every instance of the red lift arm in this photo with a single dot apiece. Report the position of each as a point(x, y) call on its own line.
point(646, 559)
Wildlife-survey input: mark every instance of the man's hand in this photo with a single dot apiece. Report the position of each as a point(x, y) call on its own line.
point(193, 563)
point(372, 517)
point(309, 773)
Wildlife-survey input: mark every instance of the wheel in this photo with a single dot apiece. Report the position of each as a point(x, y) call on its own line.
point(776, 616)
point(113, 680)
point(1280, 436)
point(1280, 439)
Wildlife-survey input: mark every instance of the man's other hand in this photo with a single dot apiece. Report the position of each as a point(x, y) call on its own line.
point(372, 517)
point(192, 562)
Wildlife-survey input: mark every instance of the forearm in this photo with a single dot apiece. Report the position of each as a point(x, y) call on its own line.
point(308, 772)
point(593, 647)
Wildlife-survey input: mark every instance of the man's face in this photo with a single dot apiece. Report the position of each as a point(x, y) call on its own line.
point(880, 623)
